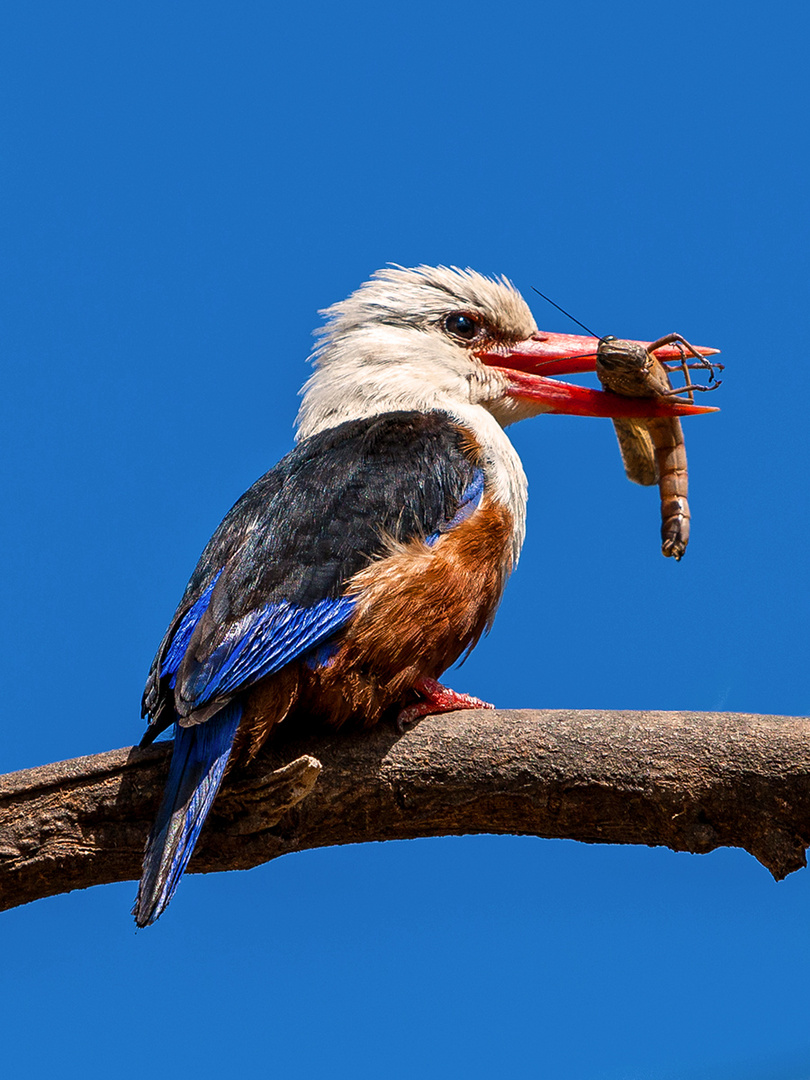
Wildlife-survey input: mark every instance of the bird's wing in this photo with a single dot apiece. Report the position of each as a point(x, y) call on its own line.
point(270, 586)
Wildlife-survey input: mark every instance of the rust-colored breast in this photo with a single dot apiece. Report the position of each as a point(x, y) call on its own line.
point(418, 609)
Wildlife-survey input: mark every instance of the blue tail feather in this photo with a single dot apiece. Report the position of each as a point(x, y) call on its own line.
point(198, 764)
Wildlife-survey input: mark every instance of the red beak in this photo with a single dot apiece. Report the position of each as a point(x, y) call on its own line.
point(527, 365)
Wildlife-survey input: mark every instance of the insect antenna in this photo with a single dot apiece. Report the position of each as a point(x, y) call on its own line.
point(567, 314)
point(549, 363)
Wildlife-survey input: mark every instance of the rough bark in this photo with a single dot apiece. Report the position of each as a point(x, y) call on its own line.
point(689, 781)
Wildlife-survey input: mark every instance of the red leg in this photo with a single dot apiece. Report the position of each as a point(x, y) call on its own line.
point(437, 699)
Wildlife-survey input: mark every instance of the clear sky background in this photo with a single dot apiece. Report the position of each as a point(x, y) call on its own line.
point(184, 185)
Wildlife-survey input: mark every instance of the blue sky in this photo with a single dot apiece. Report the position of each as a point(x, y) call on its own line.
point(182, 188)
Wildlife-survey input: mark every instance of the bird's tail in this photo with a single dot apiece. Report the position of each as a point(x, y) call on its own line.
point(198, 764)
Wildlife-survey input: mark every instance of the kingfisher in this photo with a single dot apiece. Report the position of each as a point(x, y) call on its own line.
point(373, 556)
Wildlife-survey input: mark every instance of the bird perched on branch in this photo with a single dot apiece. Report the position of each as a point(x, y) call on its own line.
point(350, 576)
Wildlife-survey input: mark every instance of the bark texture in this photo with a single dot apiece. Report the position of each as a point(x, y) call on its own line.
point(689, 781)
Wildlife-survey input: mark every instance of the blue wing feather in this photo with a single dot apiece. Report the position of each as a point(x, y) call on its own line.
point(262, 642)
point(258, 644)
point(179, 643)
point(469, 503)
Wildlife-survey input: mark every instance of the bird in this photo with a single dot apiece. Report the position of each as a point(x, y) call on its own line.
point(374, 555)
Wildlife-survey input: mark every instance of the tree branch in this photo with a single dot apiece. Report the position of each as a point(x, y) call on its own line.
point(689, 781)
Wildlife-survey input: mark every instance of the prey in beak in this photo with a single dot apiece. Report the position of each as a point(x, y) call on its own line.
point(527, 366)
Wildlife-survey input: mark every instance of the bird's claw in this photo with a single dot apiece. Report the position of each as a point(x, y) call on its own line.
point(437, 699)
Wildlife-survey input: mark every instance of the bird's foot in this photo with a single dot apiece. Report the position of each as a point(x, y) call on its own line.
point(437, 699)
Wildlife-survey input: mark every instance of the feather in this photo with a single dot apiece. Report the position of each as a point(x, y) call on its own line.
point(469, 503)
point(259, 644)
point(179, 643)
point(198, 764)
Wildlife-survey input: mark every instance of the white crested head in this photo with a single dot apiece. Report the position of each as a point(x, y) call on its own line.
point(400, 342)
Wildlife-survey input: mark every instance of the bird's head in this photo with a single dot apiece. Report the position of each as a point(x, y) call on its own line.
point(444, 338)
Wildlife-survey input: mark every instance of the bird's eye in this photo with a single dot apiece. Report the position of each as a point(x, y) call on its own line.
point(462, 326)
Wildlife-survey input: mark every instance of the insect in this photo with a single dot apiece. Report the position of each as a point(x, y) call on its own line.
point(653, 450)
